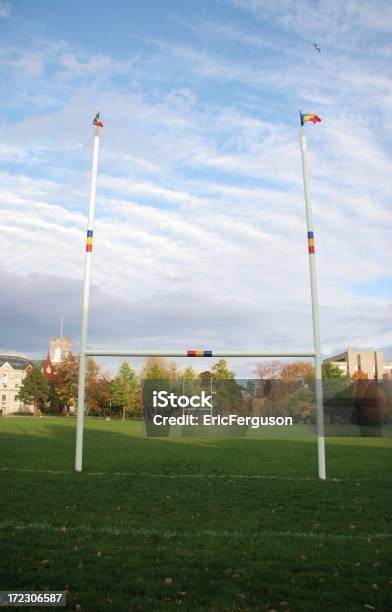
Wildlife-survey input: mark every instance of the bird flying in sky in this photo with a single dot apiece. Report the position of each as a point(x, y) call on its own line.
point(316, 47)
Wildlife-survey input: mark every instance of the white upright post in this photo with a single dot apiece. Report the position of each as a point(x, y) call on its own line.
point(86, 296)
point(315, 314)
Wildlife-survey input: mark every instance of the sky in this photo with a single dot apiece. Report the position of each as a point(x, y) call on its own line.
point(200, 229)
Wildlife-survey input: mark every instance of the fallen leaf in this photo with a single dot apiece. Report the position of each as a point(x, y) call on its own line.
point(109, 600)
point(284, 604)
point(182, 593)
point(376, 587)
point(236, 576)
point(168, 581)
point(368, 607)
point(45, 561)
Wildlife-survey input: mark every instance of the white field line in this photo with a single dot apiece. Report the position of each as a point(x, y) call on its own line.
point(214, 533)
point(194, 476)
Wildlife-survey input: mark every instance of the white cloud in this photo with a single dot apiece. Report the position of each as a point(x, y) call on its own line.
point(33, 64)
point(200, 231)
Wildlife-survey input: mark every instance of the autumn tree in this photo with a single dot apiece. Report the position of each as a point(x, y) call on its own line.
point(205, 378)
point(299, 372)
point(67, 380)
point(92, 390)
point(359, 375)
point(268, 370)
point(104, 394)
point(34, 390)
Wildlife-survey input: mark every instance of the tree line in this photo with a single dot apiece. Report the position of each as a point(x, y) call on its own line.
point(121, 395)
point(104, 395)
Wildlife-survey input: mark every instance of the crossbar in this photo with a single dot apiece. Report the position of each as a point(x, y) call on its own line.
point(193, 353)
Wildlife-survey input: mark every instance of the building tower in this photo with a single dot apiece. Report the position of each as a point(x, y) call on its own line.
point(59, 348)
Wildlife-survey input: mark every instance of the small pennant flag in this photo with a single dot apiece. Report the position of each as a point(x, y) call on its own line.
point(309, 117)
point(97, 121)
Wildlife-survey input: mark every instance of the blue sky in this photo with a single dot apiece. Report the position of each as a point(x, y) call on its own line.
point(200, 234)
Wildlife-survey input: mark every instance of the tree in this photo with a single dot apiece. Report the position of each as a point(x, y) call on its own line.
point(301, 405)
point(329, 370)
point(67, 377)
point(125, 389)
point(157, 368)
point(92, 392)
point(188, 374)
point(227, 396)
point(67, 381)
point(269, 370)
point(359, 375)
point(104, 394)
point(34, 389)
point(220, 371)
point(205, 378)
point(54, 400)
point(299, 372)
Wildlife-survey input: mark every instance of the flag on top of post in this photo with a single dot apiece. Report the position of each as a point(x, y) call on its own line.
point(97, 121)
point(309, 117)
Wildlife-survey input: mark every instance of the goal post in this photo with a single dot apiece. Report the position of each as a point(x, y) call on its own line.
point(103, 352)
point(315, 354)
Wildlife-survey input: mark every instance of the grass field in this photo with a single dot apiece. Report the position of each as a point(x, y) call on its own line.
point(197, 524)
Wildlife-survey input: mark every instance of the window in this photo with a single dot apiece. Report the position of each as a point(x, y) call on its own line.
point(16, 384)
point(16, 398)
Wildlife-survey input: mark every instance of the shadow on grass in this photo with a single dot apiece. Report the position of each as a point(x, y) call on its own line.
point(49, 443)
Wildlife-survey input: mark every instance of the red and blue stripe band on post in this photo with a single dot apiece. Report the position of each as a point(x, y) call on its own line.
point(199, 353)
point(89, 241)
point(311, 242)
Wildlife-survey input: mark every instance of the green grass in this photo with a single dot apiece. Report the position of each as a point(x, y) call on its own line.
point(194, 523)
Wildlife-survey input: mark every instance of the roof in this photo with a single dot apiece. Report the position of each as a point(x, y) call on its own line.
point(18, 362)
